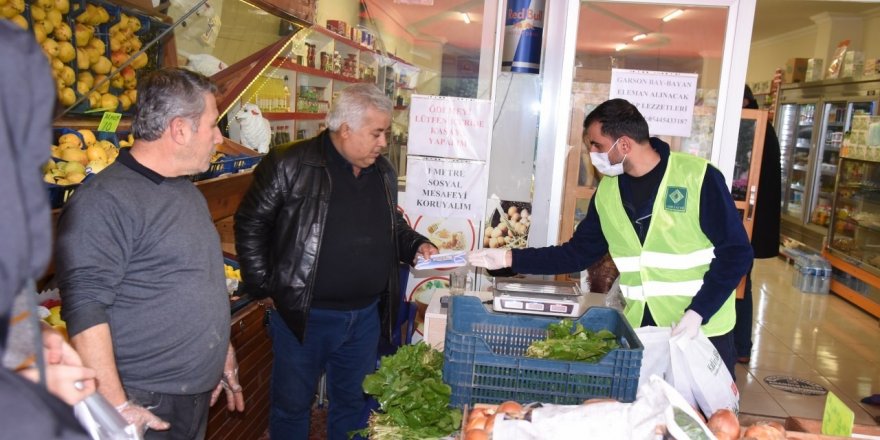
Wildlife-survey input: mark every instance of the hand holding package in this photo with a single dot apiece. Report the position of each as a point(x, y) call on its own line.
point(491, 259)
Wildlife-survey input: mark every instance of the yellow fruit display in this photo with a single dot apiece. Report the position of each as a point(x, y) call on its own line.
point(70, 139)
point(54, 16)
point(96, 153)
point(109, 102)
point(20, 21)
point(67, 96)
point(102, 86)
point(88, 136)
point(83, 34)
point(50, 47)
point(75, 178)
point(102, 65)
point(40, 34)
point(72, 167)
point(82, 59)
point(94, 99)
point(62, 32)
point(232, 273)
point(66, 52)
point(124, 101)
point(116, 81)
point(62, 5)
point(74, 155)
point(67, 75)
point(38, 14)
point(96, 166)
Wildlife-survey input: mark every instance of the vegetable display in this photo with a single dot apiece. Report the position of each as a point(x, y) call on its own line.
point(570, 341)
point(414, 401)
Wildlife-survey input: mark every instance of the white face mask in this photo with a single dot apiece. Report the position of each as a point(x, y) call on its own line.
point(603, 163)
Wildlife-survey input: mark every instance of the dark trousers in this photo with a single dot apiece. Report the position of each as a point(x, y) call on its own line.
point(742, 330)
point(341, 342)
point(187, 413)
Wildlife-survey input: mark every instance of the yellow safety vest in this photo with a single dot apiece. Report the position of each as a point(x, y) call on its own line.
point(667, 271)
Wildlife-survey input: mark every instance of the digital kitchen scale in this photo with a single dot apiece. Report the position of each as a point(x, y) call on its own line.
point(538, 297)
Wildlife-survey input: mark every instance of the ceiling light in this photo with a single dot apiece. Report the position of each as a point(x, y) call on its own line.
point(620, 47)
point(466, 18)
point(640, 37)
point(673, 14)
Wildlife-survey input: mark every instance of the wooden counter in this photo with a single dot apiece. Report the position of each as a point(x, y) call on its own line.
point(253, 348)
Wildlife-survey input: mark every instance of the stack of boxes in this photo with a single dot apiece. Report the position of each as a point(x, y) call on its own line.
point(814, 69)
point(853, 63)
point(795, 70)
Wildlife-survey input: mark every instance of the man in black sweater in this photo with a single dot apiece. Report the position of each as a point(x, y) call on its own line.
point(141, 270)
point(320, 233)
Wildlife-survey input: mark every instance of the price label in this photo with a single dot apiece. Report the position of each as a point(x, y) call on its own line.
point(838, 418)
point(109, 122)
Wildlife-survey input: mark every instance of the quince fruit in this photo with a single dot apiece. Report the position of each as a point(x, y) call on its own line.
point(88, 136)
point(70, 139)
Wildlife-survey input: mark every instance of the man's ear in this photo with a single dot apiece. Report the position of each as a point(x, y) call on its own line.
point(624, 145)
point(344, 130)
point(179, 128)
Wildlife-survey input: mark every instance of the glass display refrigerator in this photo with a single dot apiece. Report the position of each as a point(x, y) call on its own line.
point(811, 122)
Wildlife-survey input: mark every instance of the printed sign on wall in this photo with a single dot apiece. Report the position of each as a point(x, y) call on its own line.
point(447, 126)
point(445, 188)
point(665, 99)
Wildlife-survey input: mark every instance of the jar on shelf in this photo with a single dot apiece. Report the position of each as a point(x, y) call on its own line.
point(325, 61)
point(310, 55)
point(337, 63)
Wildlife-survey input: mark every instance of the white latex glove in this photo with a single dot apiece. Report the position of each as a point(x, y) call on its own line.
point(141, 418)
point(689, 326)
point(491, 259)
point(230, 383)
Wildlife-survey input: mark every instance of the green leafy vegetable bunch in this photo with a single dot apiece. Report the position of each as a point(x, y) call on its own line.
point(413, 399)
point(568, 340)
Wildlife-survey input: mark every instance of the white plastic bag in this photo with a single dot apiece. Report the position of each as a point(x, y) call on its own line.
point(699, 374)
point(655, 356)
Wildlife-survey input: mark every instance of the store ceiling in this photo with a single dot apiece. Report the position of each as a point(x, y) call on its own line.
point(443, 21)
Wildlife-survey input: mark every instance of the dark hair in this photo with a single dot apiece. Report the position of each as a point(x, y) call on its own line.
point(166, 94)
point(750, 98)
point(619, 118)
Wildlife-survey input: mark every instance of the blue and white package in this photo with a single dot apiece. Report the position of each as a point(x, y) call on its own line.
point(442, 261)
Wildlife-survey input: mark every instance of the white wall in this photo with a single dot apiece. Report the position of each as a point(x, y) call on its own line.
point(871, 35)
point(768, 54)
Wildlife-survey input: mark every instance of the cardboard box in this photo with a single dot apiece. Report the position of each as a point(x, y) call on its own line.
point(872, 67)
point(814, 69)
point(795, 70)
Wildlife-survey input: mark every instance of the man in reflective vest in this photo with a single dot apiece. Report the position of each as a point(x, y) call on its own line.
point(669, 222)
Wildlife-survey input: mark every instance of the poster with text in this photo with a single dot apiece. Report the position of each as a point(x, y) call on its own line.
point(665, 99)
point(447, 126)
point(445, 188)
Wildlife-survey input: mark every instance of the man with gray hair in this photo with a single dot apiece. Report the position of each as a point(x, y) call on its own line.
point(319, 232)
point(141, 271)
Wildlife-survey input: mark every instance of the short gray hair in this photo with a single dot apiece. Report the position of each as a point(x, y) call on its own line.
point(166, 94)
point(353, 103)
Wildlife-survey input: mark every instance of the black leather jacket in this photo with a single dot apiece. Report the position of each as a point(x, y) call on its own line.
point(280, 222)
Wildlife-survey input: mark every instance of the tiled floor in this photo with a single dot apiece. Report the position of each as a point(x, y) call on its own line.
point(819, 338)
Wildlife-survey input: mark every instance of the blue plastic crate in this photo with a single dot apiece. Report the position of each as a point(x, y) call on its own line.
point(245, 162)
point(58, 194)
point(484, 358)
point(231, 164)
